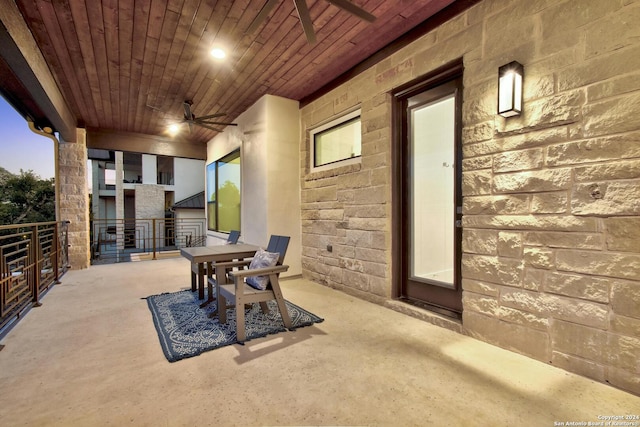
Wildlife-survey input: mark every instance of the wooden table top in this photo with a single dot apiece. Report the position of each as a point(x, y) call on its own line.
point(219, 253)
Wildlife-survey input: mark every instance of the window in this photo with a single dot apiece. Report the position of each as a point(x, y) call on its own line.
point(165, 170)
point(337, 143)
point(223, 193)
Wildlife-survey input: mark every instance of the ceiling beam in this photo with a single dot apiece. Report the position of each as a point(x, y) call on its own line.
point(146, 144)
point(23, 58)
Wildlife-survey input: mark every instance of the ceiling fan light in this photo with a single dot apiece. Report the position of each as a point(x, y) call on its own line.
point(218, 53)
point(173, 129)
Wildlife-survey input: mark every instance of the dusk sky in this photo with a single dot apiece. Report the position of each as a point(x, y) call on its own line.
point(20, 148)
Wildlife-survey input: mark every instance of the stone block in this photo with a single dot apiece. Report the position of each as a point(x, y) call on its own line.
point(609, 171)
point(532, 138)
point(533, 279)
point(502, 271)
point(511, 336)
point(319, 194)
point(550, 203)
point(623, 234)
point(503, 204)
point(623, 379)
point(365, 211)
point(625, 325)
point(476, 183)
point(616, 31)
point(606, 198)
point(624, 266)
point(615, 115)
point(367, 224)
point(625, 298)
point(601, 149)
point(359, 179)
point(530, 222)
point(477, 163)
point(479, 287)
point(476, 133)
point(579, 365)
point(480, 241)
point(509, 244)
point(533, 181)
point(582, 341)
point(552, 111)
point(578, 286)
point(374, 255)
point(371, 195)
point(522, 318)
point(599, 68)
point(480, 303)
point(625, 352)
point(613, 87)
point(568, 309)
point(518, 160)
point(555, 239)
point(538, 257)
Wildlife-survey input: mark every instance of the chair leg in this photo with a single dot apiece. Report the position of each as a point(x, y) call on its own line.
point(222, 309)
point(275, 285)
point(264, 307)
point(241, 334)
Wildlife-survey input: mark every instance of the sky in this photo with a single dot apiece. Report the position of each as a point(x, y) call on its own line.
point(20, 148)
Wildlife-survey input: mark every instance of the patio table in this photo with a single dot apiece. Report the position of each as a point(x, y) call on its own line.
point(211, 255)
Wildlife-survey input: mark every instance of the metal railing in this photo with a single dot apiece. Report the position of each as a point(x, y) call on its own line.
point(123, 240)
point(33, 257)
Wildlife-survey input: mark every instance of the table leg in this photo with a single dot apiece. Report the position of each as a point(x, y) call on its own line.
point(201, 274)
point(210, 296)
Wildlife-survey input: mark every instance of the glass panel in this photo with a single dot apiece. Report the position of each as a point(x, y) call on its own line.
point(229, 193)
point(338, 143)
point(211, 196)
point(432, 192)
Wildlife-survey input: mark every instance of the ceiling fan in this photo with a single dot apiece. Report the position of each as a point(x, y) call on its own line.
point(207, 122)
point(305, 18)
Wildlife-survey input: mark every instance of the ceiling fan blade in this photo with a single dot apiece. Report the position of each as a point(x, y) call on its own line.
point(261, 16)
point(190, 127)
point(211, 116)
point(208, 122)
point(187, 110)
point(305, 20)
point(209, 127)
point(353, 9)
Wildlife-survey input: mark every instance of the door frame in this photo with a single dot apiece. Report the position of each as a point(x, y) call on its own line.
point(444, 74)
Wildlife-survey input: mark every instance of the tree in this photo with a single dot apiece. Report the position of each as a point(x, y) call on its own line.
point(26, 198)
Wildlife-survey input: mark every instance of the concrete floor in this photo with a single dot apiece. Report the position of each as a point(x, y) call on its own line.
point(90, 356)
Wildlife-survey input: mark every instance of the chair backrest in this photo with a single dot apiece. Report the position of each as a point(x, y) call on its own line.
point(234, 235)
point(278, 244)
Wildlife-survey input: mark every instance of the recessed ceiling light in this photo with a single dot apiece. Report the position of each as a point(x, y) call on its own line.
point(218, 53)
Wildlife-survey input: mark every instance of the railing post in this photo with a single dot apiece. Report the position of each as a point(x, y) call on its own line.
point(56, 253)
point(34, 254)
point(154, 237)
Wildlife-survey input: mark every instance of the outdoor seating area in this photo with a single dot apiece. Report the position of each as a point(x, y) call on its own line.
point(90, 356)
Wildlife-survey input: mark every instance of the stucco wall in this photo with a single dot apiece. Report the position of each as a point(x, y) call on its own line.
point(551, 262)
point(267, 134)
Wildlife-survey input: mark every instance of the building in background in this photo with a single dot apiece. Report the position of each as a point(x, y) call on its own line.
point(133, 194)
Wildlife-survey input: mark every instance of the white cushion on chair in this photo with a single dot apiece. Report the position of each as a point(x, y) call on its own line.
point(262, 259)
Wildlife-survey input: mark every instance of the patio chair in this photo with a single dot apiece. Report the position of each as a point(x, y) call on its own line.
point(232, 239)
point(240, 292)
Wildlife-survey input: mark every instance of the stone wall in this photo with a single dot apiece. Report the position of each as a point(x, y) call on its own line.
point(74, 197)
point(551, 231)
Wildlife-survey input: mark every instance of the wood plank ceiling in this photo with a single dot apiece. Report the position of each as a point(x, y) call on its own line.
point(128, 65)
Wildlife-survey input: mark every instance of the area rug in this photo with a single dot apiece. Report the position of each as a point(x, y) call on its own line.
point(185, 330)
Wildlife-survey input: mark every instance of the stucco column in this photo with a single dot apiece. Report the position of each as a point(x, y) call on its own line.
point(74, 197)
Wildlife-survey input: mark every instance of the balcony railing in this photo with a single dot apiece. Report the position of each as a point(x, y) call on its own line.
point(33, 257)
point(122, 240)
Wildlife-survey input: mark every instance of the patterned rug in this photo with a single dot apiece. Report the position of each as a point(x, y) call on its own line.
point(185, 330)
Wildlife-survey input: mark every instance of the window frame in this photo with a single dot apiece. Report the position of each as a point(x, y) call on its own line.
point(323, 128)
point(215, 203)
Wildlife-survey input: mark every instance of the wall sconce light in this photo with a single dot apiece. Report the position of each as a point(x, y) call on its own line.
point(510, 89)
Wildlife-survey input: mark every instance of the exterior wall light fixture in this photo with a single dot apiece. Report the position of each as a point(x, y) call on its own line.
point(510, 78)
